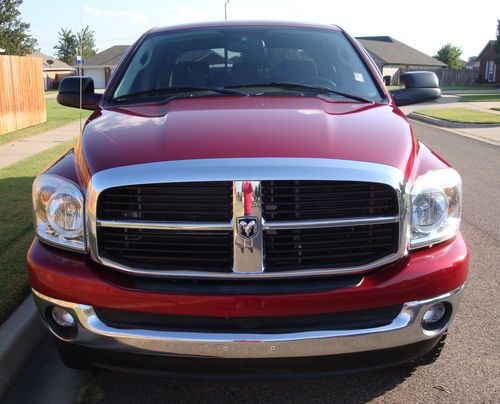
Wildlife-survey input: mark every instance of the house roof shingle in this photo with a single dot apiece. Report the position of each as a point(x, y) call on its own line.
point(393, 52)
point(108, 57)
point(389, 50)
point(488, 44)
point(57, 64)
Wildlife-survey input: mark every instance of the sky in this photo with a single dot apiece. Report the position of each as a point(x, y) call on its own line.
point(425, 25)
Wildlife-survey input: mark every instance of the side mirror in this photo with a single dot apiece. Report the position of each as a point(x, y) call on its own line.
point(418, 87)
point(69, 93)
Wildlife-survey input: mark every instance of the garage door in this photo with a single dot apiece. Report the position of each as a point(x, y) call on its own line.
point(97, 75)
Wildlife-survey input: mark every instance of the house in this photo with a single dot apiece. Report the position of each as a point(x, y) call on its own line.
point(472, 64)
point(394, 57)
point(488, 69)
point(53, 70)
point(101, 65)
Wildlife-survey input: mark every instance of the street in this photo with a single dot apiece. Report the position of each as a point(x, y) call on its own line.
point(468, 371)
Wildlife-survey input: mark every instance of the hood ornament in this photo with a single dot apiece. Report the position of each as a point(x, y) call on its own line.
point(247, 227)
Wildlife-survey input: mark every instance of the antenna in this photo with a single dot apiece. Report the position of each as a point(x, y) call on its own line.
point(225, 9)
point(80, 65)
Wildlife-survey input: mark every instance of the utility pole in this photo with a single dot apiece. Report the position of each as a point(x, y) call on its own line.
point(225, 9)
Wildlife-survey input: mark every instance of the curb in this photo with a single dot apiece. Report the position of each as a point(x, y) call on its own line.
point(457, 132)
point(448, 124)
point(20, 335)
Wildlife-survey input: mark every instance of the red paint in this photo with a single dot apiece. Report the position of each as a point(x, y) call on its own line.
point(423, 274)
point(247, 197)
point(247, 127)
point(242, 127)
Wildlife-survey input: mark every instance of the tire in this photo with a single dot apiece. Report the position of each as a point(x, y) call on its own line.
point(432, 356)
point(71, 359)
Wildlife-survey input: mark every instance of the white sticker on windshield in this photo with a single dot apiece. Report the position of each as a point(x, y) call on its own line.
point(359, 77)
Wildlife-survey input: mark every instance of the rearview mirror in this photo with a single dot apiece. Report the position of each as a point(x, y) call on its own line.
point(418, 87)
point(69, 93)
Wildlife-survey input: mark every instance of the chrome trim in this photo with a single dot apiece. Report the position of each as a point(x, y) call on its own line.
point(405, 329)
point(245, 169)
point(74, 245)
point(248, 257)
point(140, 224)
point(44, 232)
point(249, 275)
point(315, 224)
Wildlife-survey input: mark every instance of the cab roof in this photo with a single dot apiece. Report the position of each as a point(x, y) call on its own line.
point(244, 23)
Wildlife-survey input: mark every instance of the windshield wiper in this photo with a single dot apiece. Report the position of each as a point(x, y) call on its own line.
point(298, 86)
point(172, 91)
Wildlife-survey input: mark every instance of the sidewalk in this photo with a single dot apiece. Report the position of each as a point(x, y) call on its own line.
point(489, 135)
point(18, 150)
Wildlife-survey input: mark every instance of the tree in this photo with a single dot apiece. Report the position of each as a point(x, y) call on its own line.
point(497, 42)
point(66, 47)
point(450, 55)
point(69, 45)
point(86, 38)
point(14, 34)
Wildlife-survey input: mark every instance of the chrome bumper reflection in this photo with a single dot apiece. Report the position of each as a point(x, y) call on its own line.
point(404, 329)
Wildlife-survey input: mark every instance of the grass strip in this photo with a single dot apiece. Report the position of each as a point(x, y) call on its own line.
point(479, 97)
point(16, 225)
point(460, 115)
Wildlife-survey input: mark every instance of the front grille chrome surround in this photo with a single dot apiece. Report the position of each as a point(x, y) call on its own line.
point(247, 262)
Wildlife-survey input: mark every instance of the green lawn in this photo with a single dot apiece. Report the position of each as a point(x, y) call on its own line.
point(474, 87)
point(461, 115)
point(16, 225)
point(458, 88)
point(479, 97)
point(57, 116)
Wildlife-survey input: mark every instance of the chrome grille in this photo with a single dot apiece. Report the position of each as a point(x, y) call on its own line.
point(336, 217)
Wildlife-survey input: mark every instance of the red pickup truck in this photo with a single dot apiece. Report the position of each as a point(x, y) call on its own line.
point(248, 200)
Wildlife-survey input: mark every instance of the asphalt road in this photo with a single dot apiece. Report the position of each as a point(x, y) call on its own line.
point(468, 370)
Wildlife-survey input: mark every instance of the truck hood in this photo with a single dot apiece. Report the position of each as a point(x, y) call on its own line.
point(240, 127)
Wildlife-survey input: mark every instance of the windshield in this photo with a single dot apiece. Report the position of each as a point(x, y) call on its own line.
point(256, 59)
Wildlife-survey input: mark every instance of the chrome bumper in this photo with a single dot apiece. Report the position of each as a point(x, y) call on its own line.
point(403, 330)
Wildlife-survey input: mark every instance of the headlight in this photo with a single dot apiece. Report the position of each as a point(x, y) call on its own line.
point(59, 207)
point(435, 206)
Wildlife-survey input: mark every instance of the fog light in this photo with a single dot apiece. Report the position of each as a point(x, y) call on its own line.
point(63, 317)
point(434, 314)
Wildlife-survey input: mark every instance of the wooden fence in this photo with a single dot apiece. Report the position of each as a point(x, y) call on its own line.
point(454, 77)
point(22, 100)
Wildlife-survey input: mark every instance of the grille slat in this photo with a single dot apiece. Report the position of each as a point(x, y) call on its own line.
point(192, 201)
point(328, 247)
point(168, 249)
point(306, 200)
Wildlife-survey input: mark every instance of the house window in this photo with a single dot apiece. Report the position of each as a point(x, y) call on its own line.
point(490, 71)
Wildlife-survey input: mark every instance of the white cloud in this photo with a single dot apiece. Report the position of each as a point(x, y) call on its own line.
point(136, 17)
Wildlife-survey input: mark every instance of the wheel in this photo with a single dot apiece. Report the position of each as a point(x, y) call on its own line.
point(71, 358)
point(431, 356)
point(434, 354)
